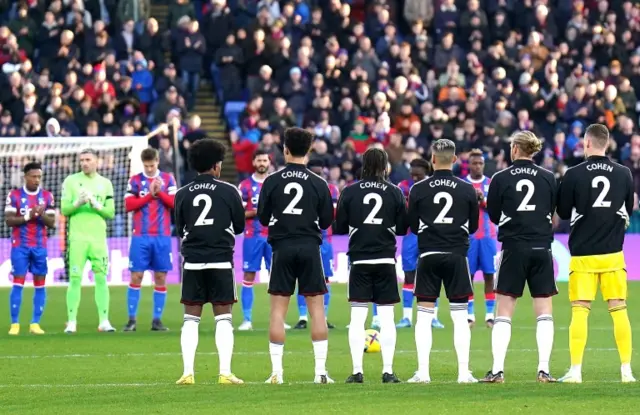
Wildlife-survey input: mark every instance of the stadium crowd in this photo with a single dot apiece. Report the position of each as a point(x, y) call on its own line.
point(359, 73)
point(414, 71)
point(99, 68)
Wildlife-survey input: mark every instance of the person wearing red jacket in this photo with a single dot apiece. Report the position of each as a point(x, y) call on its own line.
point(99, 86)
point(243, 150)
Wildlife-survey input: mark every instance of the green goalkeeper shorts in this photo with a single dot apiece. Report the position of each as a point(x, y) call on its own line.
point(94, 251)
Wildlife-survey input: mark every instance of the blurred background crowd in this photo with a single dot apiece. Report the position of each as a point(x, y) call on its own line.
point(391, 73)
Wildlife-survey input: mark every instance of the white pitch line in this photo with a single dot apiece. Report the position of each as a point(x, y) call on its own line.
point(260, 353)
point(171, 384)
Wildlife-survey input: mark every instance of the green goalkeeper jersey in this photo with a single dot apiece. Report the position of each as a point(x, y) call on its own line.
point(86, 222)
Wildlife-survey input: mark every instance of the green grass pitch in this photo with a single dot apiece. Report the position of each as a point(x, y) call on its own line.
point(121, 373)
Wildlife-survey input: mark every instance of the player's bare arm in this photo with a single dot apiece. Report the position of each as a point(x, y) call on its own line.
point(12, 219)
point(48, 215)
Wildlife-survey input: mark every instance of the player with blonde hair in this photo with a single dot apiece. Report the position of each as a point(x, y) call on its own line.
point(597, 196)
point(521, 201)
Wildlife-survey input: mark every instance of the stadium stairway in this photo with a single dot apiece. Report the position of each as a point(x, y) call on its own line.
point(206, 106)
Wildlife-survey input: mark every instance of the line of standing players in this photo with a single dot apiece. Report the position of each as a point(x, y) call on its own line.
point(443, 211)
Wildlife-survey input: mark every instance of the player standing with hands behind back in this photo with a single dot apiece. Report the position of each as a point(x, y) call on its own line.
point(443, 228)
point(521, 201)
point(372, 212)
point(597, 195)
point(208, 213)
point(296, 205)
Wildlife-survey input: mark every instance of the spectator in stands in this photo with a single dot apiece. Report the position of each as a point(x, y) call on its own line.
point(229, 59)
point(191, 49)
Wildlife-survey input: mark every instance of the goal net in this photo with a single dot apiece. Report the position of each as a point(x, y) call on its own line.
point(118, 159)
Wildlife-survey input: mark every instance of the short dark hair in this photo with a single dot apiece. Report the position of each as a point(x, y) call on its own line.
point(374, 164)
point(315, 163)
point(422, 163)
point(205, 154)
point(33, 165)
point(297, 141)
point(149, 154)
point(260, 152)
point(599, 134)
point(89, 151)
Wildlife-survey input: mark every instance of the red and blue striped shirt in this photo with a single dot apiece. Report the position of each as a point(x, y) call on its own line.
point(151, 216)
point(32, 234)
point(486, 228)
point(250, 190)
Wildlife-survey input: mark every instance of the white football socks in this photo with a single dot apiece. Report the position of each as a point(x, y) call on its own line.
point(224, 342)
point(461, 336)
point(320, 349)
point(407, 312)
point(500, 338)
point(359, 312)
point(388, 336)
point(544, 337)
point(189, 342)
point(276, 350)
point(424, 339)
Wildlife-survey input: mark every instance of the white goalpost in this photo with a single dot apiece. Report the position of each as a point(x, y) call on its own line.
point(118, 159)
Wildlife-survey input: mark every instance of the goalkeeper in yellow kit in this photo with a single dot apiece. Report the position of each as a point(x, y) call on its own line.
point(597, 196)
point(87, 200)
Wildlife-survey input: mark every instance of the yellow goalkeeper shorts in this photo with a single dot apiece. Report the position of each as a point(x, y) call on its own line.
point(586, 272)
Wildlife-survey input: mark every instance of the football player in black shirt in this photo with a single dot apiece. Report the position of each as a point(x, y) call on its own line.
point(443, 229)
point(521, 201)
point(372, 212)
point(208, 215)
point(597, 196)
point(296, 204)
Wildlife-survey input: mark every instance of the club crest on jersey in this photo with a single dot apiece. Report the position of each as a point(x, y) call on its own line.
point(41, 201)
point(486, 188)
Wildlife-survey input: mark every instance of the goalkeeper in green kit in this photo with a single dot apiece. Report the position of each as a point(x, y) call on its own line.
point(87, 200)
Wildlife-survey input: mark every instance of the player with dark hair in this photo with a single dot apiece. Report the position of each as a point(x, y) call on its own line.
point(150, 196)
point(521, 201)
point(255, 248)
point(597, 196)
point(483, 248)
point(29, 211)
point(443, 228)
point(208, 215)
point(371, 212)
point(317, 166)
point(296, 205)
point(420, 169)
